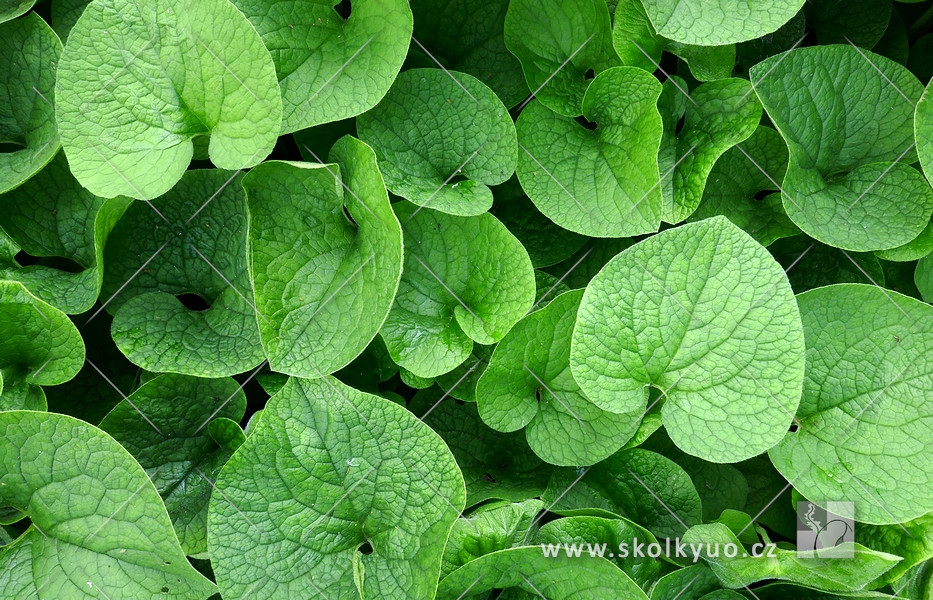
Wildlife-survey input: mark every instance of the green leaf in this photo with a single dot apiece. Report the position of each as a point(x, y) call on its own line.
point(129, 102)
point(832, 574)
point(561, 45)
point(164, 425)
point(844, 185)
point(52, 217)
point(468, 36)
point(915, 249)
point(555, 578)
point(912, 541)
point(98, 524)
point(923, 277)
point(636, 484)
point(704, 23)
point(810, 264)
point(29, 54)
point(442, 138)
point(601, 183)
point(38, 346)
point(325, 443)
point(331, 68)
point(862, 437)
point(323, 283)
point(689, 583)
point(705, 314)
point(64, 15)
point(461, 382)
point(923, 131)
point(861, 22)
point(735, 185)
point(197, 227)
point(528, 384)
point(578, 270)
point(465, 279)
point(719, 115)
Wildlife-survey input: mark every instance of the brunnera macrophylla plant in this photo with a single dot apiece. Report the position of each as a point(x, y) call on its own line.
point(393, 300)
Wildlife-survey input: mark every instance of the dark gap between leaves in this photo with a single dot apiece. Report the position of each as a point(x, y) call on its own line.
point(344, 9)
point(365, 548)
point(194, 302)
point(59, 263)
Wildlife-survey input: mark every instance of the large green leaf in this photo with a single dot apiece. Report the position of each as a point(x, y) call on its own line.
point(923, 131)
point(861, 22)
point(329, 67)
point(705, 314)
point(364, 472)
point(528, 384)
point(553, 577)
point(863, 436)
point(165, 425)
point(10, 9)
point(189, 242)
point(324, 284)
point(601, 183)
point(846, 116)
point(99, 528)
point(912, 541)
point(716, 22)
point(561, 45)
point(130, 101)
point(442, 138)
point(52, 217)
point(38, 346)
point(465, 279)
point(29, 53)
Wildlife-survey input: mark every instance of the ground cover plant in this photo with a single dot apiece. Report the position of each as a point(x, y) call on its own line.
point(516, 299)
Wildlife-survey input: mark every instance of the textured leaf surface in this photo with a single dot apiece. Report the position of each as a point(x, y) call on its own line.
point(602, 182)
point(923, 131)
point(98, 524)
point(528, 384)
point(363, 470)
point(138, 80)
point(331, 68)
point(465, 279)
point(29, 53)
point(718, 22)
point(704, 313)
point(165, 426)
point(203, 229)
point(863, 437)
point(844, 185)
point(912, 541)
point(324, 284)
point(441, 139)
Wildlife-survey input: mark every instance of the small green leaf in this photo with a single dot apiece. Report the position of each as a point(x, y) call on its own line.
point(689, 583)
point(601, 183)
point(323, 283)
point(705, 314)
point(189, 242)
point(164, 425)
point(442, 138)
point(324, 444)
point(465, 279)
point(912, 541)
point(29, 53)
point(130, 101)
point(846, 116)
point(98, 524)
point(863, 437)
point(329, 67)
point(713, 23)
